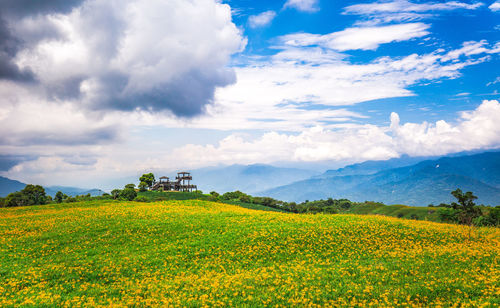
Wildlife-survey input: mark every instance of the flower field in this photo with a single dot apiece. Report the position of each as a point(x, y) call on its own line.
point(195, 253)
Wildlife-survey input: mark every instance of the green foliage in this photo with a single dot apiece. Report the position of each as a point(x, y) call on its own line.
point(59, 197)
point(245, 198)
point(143, 186)
point(30, 195)
point(115, 193)
point(214, 196)
point(17, 199)
point(141, 199)
point(130, 186)
point(35, 193)
point(128, 194)
point(173, 195)
point(233, 195)
point(466, 208)
point(447, 214)
point(492, 217)
point(147, 178)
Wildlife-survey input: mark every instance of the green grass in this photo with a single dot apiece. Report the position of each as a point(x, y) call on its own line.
point(193, 253)
point(172, 195)
point(253, 206)
point(400, 211)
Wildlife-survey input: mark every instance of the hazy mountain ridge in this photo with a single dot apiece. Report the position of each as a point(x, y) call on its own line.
point(249, 179)
point(8, 186)
point(373, 166)
point(426, 182)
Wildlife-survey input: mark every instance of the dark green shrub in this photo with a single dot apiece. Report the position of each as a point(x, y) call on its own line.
point(141, 199)
point(448, 215)
point(128, 194)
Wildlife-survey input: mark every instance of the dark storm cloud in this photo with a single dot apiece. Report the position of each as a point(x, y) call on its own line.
point(67, 138)
point(23, 8)
point(105, 59)
point(9, 161)
point(10, 45)
point(185, 96)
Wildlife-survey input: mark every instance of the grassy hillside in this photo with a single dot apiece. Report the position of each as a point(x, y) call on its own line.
point(190, 253)
point(398, 210)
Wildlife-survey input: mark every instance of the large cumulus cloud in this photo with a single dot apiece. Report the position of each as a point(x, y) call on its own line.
point(121, 55)
point(10, 44)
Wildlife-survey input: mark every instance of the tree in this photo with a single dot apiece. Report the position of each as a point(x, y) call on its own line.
point(143, 186)
point(35, 193)
point(115, 193)
point(447, 214)
point(131, 186)
point(147, 178)
point(467, 209)
point(17, 199)
point(245, 198)
point(59, 197)
point(128, 194)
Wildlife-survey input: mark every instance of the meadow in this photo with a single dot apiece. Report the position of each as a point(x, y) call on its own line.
point(195, 253)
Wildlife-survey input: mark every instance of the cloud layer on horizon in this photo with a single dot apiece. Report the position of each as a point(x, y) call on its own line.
point(352, 143)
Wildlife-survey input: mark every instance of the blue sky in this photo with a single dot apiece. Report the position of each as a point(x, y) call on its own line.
point(449, 28)
point(93, 90)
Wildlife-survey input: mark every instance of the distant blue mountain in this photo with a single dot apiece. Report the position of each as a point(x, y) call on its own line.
point(374, 166)
point(72, 191)
point(8, 186)
point(249, 179)
point(426, 182)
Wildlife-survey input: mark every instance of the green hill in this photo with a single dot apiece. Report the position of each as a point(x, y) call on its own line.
point(194, 253)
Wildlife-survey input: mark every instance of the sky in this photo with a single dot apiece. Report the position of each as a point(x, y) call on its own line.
point(96, 90)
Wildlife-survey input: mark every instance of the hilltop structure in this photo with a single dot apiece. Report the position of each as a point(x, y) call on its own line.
point(182, 183)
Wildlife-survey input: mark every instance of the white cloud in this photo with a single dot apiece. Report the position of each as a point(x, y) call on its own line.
point(152, 55)
point(262, 19)
point(408, 6)
point(303, 5)
point(497, 80)
point(364, 38)
point(470, 48)
point(477, 129)
point(286, 87)
point(495, 6)
point(403, 10)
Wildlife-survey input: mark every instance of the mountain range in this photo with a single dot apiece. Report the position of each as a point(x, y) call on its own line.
point(249, 179)
point(416, 181)
point(420, 184)
point(7, 186)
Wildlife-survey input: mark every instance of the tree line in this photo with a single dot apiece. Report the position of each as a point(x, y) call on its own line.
point(463, 211)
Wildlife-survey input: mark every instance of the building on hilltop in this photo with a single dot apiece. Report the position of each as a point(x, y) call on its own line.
point(182, 183)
